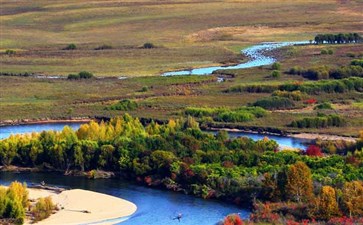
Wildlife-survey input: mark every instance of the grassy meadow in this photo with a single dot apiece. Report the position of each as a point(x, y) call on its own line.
point(187, 34)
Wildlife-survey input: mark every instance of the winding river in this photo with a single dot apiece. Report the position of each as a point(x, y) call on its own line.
point(256, 54)
point(156, 207)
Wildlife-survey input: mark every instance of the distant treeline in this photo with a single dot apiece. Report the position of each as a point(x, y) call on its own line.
point(338, 38)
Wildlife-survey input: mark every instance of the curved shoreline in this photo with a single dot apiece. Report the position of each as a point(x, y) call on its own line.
point(100, 208)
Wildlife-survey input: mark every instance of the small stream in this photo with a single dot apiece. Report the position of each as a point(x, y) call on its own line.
point(256, 54)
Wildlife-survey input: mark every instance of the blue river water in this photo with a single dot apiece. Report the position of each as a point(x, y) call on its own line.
point(256, 54)
point(154, 207)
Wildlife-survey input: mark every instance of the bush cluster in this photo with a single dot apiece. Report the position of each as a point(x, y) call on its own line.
point(80, 75)
point(275, 102)
point(124, 105)
point(293, 95)
point(242, 114)
point(319, 122)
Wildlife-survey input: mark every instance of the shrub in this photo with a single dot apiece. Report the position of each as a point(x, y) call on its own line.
point(324, 105)
point(294, 95)
point(70, 47)
point(311, 101)
point(124, 105)
point(275, 102)
point(80, 75)
point(330, 52)
point(43, 209)
point(276, 74)
point(324, 52)
point(148, 45)
point(85, 75)
point(144, 89)
point(10, 52)
point(357, 62)
point(314, 151)
point(276, 66)
point(233, 219)
point(73, 76)
point(103, 47)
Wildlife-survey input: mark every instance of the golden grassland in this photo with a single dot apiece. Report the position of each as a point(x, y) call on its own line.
point(187, 34)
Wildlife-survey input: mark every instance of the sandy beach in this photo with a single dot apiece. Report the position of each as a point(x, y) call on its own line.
point(103, 209)
point(312, 136)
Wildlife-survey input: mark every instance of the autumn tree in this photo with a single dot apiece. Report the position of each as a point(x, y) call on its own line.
point(326, 205)
point(299, 185)
point(352, 198)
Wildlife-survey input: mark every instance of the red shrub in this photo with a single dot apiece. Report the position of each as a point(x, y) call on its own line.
point(314, 151)
point(311, 101)
point(233, 219)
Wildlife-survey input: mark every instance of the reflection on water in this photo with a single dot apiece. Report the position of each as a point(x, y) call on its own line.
point(155, 207)
point(256, 54)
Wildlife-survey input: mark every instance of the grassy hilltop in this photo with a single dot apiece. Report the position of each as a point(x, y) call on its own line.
point(187, 34)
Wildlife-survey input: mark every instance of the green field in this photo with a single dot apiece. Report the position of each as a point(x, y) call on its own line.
point(187, 34)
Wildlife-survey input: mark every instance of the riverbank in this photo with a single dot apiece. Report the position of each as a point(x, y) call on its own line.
point(79, 206)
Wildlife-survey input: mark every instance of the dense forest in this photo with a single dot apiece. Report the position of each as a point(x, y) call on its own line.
point(180, 157)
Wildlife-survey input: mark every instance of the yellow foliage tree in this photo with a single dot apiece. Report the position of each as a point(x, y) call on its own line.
point(299, 185)
point(327, 206)
point(353, 198)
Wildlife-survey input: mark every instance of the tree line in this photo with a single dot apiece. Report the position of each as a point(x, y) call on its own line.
point(338, 38)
